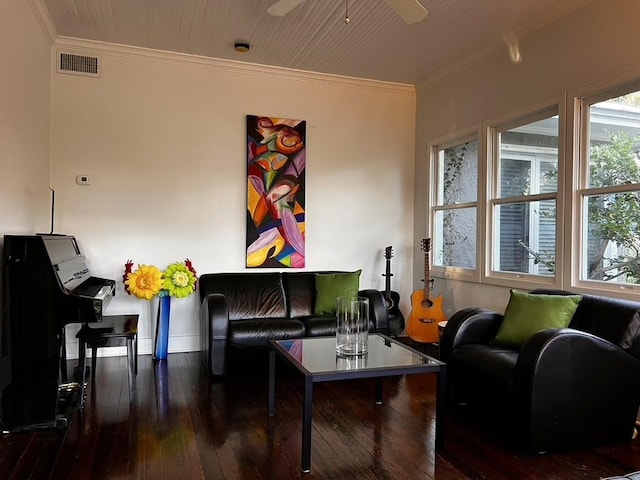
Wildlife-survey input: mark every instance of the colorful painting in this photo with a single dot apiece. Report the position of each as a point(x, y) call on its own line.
point(276, 160)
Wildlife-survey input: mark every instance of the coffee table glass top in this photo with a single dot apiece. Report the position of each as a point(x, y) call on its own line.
point(318, 355)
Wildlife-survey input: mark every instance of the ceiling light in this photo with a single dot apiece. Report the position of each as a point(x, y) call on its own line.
point(241, 47)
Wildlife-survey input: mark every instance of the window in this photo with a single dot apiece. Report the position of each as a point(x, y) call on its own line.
point(609, 188)
point(523, 199)
point(455, 210)
point(509, 207)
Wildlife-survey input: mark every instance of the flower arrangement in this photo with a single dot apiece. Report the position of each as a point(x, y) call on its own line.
point(147, 281)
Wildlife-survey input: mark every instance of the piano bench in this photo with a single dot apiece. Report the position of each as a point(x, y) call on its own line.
point(113, 331)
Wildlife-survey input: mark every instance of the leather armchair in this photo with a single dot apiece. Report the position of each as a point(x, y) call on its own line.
point(564, 388)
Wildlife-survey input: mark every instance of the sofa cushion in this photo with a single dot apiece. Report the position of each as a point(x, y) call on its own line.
point(320, 326)
point(325, 325)
point(300, 288)
point(615, 320)
point(527, 314)
point(248, 296)
point(330, 286)
point(258, 332)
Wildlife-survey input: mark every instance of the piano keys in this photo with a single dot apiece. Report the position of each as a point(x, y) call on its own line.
point(46, 285)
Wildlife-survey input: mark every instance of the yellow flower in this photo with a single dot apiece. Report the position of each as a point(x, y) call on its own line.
point(146, 282)
point(179, 280)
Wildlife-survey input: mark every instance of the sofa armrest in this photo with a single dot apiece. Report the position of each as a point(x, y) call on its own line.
point(591, 387)
point(378, 315)
point(469, 325)
point(214, 325)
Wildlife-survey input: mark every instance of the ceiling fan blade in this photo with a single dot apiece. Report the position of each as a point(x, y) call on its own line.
point(282, 7)
point(411, 11)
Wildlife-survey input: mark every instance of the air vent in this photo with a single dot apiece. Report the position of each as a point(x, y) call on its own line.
point(74, 64)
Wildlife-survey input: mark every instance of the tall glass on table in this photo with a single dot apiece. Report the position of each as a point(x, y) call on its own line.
point(352, 331)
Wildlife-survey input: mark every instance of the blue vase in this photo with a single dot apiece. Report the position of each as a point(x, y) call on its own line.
point(162, 328)
point(161, 374)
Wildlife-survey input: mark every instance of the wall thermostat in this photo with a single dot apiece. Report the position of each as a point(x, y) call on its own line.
point(83, 180)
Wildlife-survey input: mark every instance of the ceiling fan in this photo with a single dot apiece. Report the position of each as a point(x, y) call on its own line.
point(411, 11)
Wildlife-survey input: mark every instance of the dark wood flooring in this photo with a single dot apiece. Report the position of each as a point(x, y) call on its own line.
point(184, 426)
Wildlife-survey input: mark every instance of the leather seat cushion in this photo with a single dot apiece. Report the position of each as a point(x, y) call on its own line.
point(324, 326)
point(258, 331)
point(320, 326)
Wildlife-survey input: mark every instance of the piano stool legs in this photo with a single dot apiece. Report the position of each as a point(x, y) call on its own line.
point(113, 331)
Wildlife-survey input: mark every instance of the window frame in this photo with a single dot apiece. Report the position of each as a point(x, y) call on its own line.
point(492, 130)
point(581, 191)
point(435, 204)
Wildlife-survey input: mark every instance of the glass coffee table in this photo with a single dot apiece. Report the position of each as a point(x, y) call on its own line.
point(316, 359)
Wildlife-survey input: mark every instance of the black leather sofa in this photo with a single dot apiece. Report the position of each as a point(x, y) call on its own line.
point(564, 388)
point(241, 312)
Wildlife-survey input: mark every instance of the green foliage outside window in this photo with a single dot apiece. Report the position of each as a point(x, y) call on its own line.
point(613, 218)
point(454, 159)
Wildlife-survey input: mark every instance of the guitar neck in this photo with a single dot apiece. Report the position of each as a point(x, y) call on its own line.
point(387, 281)
point(427, 279)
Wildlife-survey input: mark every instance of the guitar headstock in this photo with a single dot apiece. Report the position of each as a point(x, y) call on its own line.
point(388, 253)
point(425, 244)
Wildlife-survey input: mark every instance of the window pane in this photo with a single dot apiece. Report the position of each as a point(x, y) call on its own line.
point(456, 241)
point(458, 169)
point(515, 177)
point(529, 158)
point(613, 238)
point(614, 129)
point(526, 237)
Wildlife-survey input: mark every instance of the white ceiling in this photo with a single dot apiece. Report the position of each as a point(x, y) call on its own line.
point(376, 44)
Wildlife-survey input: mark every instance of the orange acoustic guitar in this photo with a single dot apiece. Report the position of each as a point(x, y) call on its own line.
point(426, 312)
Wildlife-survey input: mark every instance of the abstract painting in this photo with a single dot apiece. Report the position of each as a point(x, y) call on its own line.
point(276, 160)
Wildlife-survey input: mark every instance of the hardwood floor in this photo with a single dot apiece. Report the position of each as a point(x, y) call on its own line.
point(184, 426)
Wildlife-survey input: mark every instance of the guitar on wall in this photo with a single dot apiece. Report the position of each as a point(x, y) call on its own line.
point(392, 298)
point(426, 312)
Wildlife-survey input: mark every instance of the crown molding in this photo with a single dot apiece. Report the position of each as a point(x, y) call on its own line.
point(44, 20)
point(233, 66)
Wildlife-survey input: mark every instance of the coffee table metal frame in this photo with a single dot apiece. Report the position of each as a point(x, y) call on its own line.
point(313, 374)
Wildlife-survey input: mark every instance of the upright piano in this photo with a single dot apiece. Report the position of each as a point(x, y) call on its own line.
point(46, 285)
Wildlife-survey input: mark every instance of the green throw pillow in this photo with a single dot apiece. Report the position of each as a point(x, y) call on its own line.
point(527, 314)
point(330, 286)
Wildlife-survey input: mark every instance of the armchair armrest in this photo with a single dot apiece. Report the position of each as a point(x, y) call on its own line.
point(378, 315)
point(469, 325)
point(589, 390)
point(214, 325)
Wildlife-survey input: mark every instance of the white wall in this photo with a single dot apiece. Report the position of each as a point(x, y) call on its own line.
point(594, 46)
point(163, 137)
point(24, 121)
